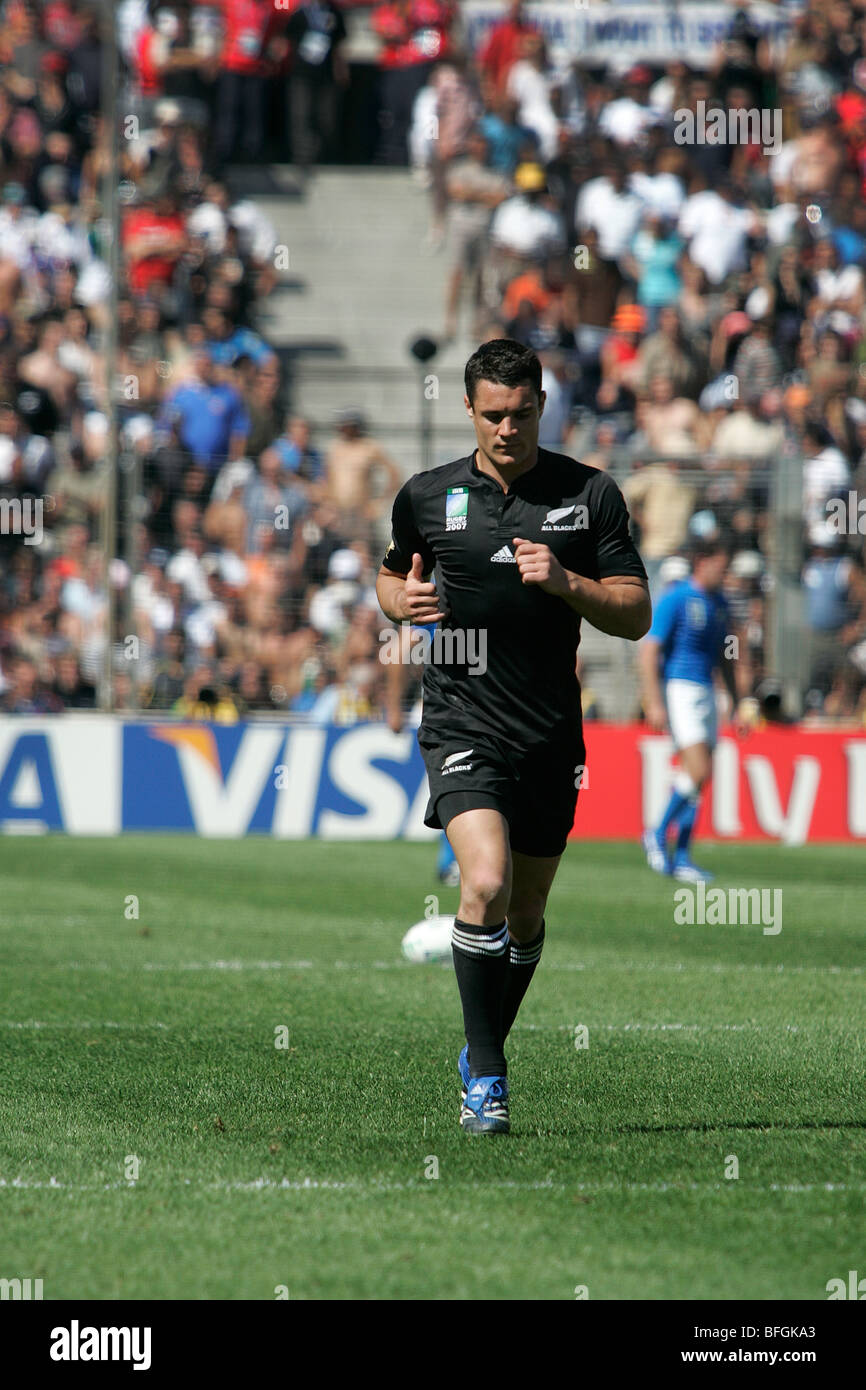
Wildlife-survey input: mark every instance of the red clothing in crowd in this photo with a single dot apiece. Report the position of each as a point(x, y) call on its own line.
point(249, 27)
point(501, 49)
point(413, 33)
point(147, 73)
point(150, 270)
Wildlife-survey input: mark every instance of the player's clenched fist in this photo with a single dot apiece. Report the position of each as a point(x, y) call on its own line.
point(538, 565)
point(421, 600)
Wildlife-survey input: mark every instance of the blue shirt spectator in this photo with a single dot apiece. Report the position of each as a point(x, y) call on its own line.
point(299, 457)
point(243, 342)
point(212, 419)
point(505, 142)
point(655, 252)
point(826, 579)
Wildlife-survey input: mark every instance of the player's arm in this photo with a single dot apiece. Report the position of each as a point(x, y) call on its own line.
point(653, 651)
point(618, 604)
point(726, 669)
point(652, 697)
point(396, 678)
point(402, 586)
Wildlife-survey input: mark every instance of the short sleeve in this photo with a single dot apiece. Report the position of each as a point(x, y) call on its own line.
point(406, 539)
point(665, 618)
point(616, 552)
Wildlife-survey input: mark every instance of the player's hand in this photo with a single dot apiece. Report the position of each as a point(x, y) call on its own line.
point(538, 565)
point(394, 717)
point(740, 721)
point(656, 716)
point(421, 600)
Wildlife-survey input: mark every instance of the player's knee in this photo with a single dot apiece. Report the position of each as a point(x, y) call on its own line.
point(482, 888)
point(702, 772)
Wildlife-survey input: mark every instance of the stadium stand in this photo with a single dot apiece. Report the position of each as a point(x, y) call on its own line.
point(699, 310)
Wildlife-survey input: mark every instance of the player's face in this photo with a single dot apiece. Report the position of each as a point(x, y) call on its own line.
point(712, 570)
point(506, 422)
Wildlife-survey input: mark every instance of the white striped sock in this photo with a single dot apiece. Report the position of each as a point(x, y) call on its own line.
point(480, 942)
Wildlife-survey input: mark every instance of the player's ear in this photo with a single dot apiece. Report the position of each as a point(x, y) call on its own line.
point(542, 397)
point(468, 404)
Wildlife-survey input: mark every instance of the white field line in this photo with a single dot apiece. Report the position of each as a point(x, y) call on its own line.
point(676, 967)
point(633, 1027)
point(35, 1023)
point(374, 1185)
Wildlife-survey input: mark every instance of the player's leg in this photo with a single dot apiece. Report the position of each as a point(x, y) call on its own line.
point(548, 784)
point(683, 791)
point(531, 881)
point(691, 716)
point(480, 841)
point(480, 949)
point(696, 765)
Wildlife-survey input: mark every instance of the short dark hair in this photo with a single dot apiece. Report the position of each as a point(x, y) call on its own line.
point(704, 548)
point(504, 361)
point(817, 431)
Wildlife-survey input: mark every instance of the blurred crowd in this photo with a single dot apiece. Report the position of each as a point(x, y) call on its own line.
point(248, 549)
point(699, 310)
point(698, 307)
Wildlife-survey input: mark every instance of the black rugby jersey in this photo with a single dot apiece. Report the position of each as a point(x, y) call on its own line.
point(462, 524)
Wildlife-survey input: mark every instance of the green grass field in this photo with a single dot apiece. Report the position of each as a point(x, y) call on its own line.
point(304, 1166)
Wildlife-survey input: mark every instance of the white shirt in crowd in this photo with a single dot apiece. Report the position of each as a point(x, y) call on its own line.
point(528, 229)
point(662, 193)
point(835, 286)
point(716, 233)
point(531, 90)
point(824, 476)
point(625, 120)
point(614, 216)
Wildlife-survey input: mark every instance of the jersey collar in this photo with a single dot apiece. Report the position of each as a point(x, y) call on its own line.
point(476, 472)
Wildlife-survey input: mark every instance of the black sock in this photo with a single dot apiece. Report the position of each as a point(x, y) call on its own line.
point(522, 960)
point(481, 965)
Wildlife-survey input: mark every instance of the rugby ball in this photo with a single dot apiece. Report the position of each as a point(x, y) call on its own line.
point(429, 940)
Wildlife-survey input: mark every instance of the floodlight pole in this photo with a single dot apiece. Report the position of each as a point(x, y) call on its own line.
point(424, 350)
point(426, 425)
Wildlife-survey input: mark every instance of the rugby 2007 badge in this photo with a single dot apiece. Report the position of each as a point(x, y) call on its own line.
point(456, 508)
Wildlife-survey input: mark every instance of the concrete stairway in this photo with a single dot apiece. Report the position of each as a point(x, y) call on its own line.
point(363, 282)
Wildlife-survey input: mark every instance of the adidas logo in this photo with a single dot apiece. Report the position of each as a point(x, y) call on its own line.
point(503, 557)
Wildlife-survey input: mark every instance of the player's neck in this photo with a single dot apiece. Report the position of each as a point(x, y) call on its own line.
point(504, 476)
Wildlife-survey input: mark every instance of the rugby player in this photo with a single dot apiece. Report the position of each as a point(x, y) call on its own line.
point(683, 649)
point(525, 543)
